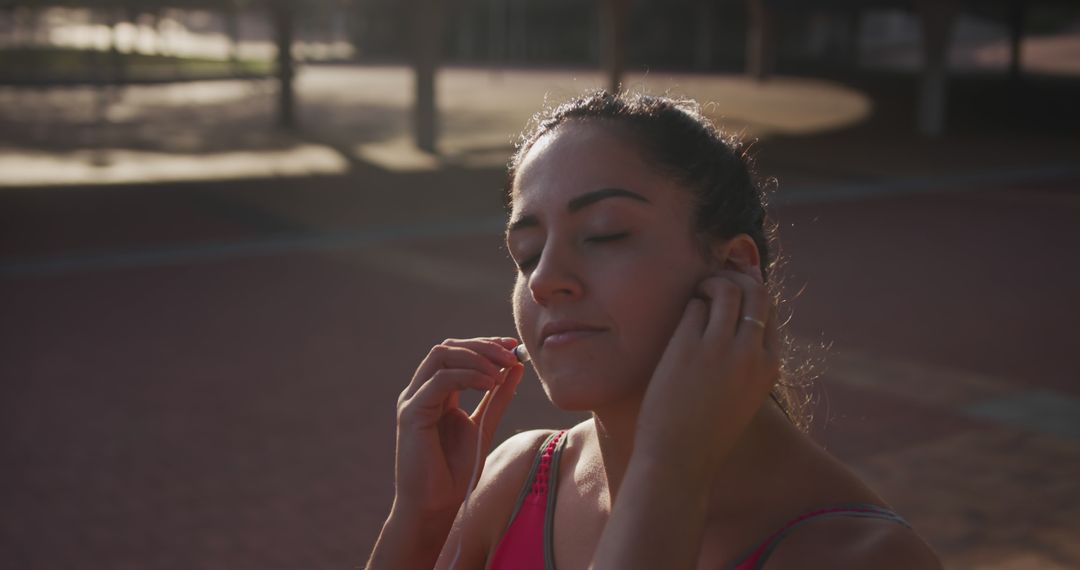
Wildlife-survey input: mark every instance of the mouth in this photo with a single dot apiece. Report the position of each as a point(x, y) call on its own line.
point(568, 337)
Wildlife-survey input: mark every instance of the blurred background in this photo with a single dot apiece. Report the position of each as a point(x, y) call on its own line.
point(229, 231)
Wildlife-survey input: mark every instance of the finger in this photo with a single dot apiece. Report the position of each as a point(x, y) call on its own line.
point(507, 342)
point(497, 352)
point(442, 357)
point(694, 319)
point(756, 301)
point(496, 402)
point(428, 403)
point(725, 298)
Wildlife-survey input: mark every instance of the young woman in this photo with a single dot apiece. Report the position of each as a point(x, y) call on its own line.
point(643, 296)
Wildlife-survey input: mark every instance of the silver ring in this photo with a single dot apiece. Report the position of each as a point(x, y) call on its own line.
point(755, 321)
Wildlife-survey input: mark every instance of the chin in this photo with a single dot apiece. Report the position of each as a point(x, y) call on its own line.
point(584, 392)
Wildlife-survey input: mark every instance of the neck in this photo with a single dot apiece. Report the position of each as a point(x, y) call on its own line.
point(741, 471)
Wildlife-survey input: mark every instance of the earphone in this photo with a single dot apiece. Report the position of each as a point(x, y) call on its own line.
point(522, 355)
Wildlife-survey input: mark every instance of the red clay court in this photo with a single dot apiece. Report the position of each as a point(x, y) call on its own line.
point(203, 374)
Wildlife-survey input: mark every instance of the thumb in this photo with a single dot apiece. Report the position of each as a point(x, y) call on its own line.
point(495, 404)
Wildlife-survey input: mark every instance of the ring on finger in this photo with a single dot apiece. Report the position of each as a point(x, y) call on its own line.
point(755, 321)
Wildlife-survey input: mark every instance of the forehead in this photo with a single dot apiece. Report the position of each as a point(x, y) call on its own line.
point(582, 156)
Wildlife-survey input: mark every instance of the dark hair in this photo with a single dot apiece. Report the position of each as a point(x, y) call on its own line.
point(730, 199)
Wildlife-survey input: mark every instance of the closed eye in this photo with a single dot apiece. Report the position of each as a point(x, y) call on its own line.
point(532, 261)
point(528, 264)
point(610, 237)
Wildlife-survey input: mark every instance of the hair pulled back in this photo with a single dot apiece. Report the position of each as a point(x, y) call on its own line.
point(729, 199)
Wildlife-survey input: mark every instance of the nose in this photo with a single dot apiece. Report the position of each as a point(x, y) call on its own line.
point(555, 276)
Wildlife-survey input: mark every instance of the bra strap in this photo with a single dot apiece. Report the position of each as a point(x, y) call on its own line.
point(549, 513)
point(855, 510)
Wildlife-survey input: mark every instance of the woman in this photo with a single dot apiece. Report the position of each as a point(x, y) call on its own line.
point(642, 295)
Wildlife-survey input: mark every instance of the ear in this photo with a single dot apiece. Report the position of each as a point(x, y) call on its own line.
point(738, 253)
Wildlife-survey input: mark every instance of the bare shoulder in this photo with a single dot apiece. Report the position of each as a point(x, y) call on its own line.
point(513, 457)
point(479, 527)
point(505, 472)
point(845, 542)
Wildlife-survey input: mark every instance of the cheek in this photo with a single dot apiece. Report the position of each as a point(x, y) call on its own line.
point(521, 314)
point(654, 305)
point(654, 299)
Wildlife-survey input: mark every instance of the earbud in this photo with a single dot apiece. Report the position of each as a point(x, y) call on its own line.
point(522, 353)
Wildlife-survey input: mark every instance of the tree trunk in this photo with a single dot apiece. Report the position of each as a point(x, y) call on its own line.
point(232, 30)
point(704, 46)
point(117, 61)
point(760, 46)
point(853, 37)
point(427, 46)
point(613, 16)
point(496, 32)
point(156, 16)
point(938, 18)
point(1017, 19)
point(282, 14)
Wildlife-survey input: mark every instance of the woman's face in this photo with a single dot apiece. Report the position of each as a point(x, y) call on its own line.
point(606, 252)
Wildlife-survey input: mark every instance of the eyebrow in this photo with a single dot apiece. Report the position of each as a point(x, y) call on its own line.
point(579, 203)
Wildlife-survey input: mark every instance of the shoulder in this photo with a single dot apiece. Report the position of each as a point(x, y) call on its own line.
point(505, 472)
point(514, 455)
point(848, 542)
point(479, 527)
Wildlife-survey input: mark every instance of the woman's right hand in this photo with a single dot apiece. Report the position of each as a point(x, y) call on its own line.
point(436, 439)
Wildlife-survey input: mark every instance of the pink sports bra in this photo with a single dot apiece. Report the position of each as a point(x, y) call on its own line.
point(526, 543)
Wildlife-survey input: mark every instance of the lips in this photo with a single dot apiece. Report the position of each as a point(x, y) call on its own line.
point(566, 330)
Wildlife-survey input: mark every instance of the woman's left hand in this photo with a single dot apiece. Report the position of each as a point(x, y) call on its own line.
point(714, 375)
